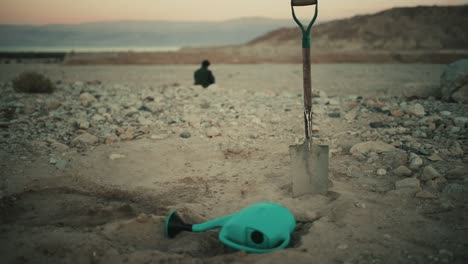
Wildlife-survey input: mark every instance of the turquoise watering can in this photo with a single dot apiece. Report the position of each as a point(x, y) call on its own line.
point(258, 228)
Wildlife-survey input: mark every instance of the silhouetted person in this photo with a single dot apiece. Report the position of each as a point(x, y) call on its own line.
point(203, 76)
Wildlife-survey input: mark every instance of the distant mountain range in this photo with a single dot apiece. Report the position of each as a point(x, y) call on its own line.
point(138, 34)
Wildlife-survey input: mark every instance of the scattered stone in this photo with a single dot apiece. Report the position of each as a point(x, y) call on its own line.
point(351, 115)
point(213, 132)
point(429, 173)
point(334, 115)
point(453, 79)
point(98, 118)
point(86, 99)
point(111, 140)
point(408, 183)
point(185, 135)
point(457, 174)
point(425, 195)
point(381, 172)
point(146, 122)
point(128, 134)
point(456, 150)
point(53, 160)
point(415, 161)
point(57, 146)
point(453, 188)
point(342, 246)
point(83, 124)
point(370, 146)
point(53, 104)
point(61, 164)
point(397, 113)
point(116, 156)
point(379, 125)
point(416, 110)
point(85, 139)
point(461, 121)
point(159, 136)
point(434, 157)
point(143, 218)
point(394, 159)
point(445, 113)
point(402, 171)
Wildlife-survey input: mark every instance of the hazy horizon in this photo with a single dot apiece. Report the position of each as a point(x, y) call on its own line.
point(31, 12)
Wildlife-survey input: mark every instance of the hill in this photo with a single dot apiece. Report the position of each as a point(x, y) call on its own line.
point(418, 28)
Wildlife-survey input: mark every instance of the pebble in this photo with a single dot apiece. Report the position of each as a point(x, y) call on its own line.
point(185, 135)
point(370, 146)
point(416, 109)
point(429, 173)
point(86, 99)
point(415, 161)
point(342, 246)
point(213, 132)
point(116, 156)
point(381, 172)
point(408, 183)
point(402, 171)
point(425, 195)
point(85, 139)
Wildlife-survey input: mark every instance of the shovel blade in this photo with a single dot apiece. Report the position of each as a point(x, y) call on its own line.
point(309, 167)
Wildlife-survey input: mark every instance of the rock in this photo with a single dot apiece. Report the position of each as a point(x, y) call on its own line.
point(379, 125)
point(53, 104)
point(111, 140)
point(415, 161)
point(402, 171)
point(429, 173)
point(61, 164)
point(434, 157)
point(159, 137)
point(394, 159)
point(57, 146)
point(425, 195)
point(85, 139)
point(351, 115)
point(128, 134)
point(342, 246)
point(453, 188)
point(381, 172)
point(185, 135)
point(86, 99)
point(98, 118)
point(83, 124)
point(397, 113)
point(116, 156)
point(453, 79)
point(457, 174)
point(363, 148)
point(416, 110)
point(146, 122)
point(461, 121)
point(412, 183)
point(445, 113)
point(456, 150)
point(334, 115)
point(213, 132)
point(461, 96)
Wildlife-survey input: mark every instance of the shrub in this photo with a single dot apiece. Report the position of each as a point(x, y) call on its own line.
point(33, 82)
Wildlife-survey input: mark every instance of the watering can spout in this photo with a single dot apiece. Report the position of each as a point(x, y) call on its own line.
point(216, 223)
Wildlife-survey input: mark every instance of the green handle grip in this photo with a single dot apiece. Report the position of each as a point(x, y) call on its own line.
point(305, 32)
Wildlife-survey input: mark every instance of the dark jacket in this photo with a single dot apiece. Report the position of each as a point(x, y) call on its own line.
point(204, 77)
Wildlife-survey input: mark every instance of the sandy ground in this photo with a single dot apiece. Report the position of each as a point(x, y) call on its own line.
point(99, 210)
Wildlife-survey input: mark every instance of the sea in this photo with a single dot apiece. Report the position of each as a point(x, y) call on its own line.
point(87, 49)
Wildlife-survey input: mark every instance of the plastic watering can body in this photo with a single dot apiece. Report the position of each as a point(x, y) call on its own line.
point(259, 228)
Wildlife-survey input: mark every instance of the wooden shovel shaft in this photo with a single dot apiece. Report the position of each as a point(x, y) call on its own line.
point(307, 93)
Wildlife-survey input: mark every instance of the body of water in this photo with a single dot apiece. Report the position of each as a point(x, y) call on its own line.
point(87, 49)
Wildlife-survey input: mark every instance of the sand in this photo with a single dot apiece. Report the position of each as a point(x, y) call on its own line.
point(103, 210)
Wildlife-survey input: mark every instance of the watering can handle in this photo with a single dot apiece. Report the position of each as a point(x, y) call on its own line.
point(253, 250)
point(303, 2)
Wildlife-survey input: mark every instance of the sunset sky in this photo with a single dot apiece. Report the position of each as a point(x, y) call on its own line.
point(79, 11)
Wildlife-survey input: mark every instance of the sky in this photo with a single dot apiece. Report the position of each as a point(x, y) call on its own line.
point(80, 11)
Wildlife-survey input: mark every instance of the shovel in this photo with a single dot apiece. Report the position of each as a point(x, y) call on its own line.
point(309, 162)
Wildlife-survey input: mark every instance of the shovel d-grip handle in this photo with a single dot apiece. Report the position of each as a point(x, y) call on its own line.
point(306, 62)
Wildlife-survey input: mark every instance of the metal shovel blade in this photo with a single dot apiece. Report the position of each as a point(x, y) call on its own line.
point(309, 168)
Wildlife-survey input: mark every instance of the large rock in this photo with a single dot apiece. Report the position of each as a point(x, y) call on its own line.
point(364, 148)
point(454, 82)
point(85, 139)
point(86, 99)
point(411, 183)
